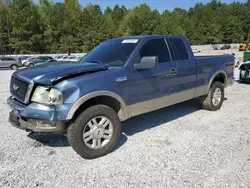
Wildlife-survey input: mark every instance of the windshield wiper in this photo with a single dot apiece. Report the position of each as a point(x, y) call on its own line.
point(94, 61)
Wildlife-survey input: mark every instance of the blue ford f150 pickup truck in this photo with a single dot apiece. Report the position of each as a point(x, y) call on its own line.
point(117, 80)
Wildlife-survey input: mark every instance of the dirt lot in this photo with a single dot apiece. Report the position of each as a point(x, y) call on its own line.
point(179, 146)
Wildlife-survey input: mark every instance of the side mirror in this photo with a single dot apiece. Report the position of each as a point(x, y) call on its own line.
point(149, 62)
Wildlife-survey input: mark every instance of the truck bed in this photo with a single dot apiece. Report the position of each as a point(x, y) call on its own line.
point(213, 56)
point(207, 66)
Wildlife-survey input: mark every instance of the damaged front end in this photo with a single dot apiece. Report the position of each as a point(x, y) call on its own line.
point(41, 98)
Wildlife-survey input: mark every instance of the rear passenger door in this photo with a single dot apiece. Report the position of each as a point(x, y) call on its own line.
point(186, 68)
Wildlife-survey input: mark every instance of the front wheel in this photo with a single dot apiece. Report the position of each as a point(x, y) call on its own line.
point(31, 65)
point(95, 132)
point(213, 101)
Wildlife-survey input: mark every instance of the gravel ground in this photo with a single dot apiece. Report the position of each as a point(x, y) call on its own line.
point(179, 146)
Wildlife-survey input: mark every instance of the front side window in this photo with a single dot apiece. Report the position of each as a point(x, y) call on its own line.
point(156, 47)
point(114, 52)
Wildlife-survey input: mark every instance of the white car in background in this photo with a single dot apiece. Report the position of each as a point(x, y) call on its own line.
point(63, 58)
point(196, 50)
point(58, 57)
point(69, 58)
point(237, 63)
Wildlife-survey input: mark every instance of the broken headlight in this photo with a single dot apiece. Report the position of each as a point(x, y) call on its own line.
point(46, 95)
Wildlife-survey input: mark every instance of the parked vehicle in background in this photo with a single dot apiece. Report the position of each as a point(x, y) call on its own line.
point(74, 59)
point(237, 63)
point(57, 57)
point(31, 62)
point(24, 58)
point(245, 72)
point(52, 61)
point(225, 47)
point(66, 58)
point(245, 46)
point(42, 62)
point(195, 50)
point(62, 57)
point(9, 62)
point(119, 79)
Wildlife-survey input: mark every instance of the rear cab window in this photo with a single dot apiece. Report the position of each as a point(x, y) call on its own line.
point(178, 49)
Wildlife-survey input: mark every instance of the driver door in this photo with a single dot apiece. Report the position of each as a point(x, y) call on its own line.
point(145, 86)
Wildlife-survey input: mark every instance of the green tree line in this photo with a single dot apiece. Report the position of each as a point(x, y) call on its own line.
point(26, 27)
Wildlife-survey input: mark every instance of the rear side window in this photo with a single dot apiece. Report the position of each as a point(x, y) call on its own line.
point(42, 58)
point(178, 49)
point(156, 47)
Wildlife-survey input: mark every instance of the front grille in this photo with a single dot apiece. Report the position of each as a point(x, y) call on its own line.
point(18, 88)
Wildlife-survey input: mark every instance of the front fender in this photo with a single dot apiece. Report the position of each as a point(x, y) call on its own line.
point(123, 114)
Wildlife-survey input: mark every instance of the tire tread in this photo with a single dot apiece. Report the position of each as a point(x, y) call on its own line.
point(77, 144)
point(206, 100)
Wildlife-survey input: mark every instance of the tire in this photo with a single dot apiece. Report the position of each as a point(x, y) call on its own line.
point(77, 129)
point(207, 101)
point(240, 78)
point(14, 67)
point(31, 65)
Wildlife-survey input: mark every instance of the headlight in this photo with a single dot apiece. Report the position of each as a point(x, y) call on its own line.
point(47, 95)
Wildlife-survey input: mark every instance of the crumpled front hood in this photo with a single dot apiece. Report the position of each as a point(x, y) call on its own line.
point(50, 74)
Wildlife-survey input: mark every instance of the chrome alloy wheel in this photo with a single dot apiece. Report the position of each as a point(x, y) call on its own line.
point(98, 132)
point(216, 97)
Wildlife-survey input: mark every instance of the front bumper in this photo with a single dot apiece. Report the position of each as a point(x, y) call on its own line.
point(36, 126)
point(35, 118)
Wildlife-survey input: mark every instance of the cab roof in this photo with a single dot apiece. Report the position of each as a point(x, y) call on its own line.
point(146, 37)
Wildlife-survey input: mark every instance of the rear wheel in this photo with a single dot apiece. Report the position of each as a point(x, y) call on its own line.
point(213, 101)
point(95, 132)
point(14, 67)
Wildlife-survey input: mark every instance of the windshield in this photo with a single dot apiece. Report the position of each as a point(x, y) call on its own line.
point(114, 52)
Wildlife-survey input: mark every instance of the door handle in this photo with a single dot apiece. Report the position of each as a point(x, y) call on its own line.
point(173, 71)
